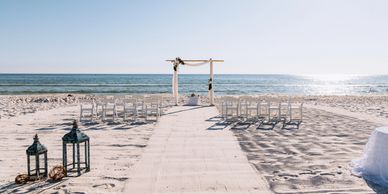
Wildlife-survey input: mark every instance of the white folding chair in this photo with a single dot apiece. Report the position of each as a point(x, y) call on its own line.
point(263, 110)
point(231, 108)
point(220, 105)
point(130, 109)
point(268, 114)
point(295, 117)
point(248, 108)
point(99, 102)
point(140, 106)
point(119, 102)
point(243, 102)
point(109, 107)
point(284, 109)
point(88, 107)
point(162, 103)
point(151, 108)
point(274, 111)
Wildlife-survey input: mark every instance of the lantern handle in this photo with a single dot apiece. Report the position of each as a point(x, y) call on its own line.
point(36, 138)
point(75, 124)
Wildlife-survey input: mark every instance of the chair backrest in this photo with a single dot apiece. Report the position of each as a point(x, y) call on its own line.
point(296, 110)
point(86, 103)
point(109, 100)
point(99, 100)
point(90, 96)
point(130, 103)
point(230, 101)
point(249, 101)
point(138, 96)
point(263, 107)
point(151, 100)
point(119, 100)
point(274, 103)
point(128, 96)
point(284, 109)
point(244, 99)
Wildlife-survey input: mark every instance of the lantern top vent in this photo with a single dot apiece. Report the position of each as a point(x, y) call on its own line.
point(75, 135)
point(36, 147)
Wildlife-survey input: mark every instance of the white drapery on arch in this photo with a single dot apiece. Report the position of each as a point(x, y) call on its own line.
point(177, 62)
point(196, 64)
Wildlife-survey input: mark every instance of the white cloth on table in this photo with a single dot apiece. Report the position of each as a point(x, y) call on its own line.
point(373, 165)
point(193, 101)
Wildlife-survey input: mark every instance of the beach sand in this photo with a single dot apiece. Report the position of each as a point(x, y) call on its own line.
point(114, 149)
point(312, 159)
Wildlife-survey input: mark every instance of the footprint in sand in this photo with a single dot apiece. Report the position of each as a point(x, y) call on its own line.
point(105, 185)
point(118, 179)
point(59, 187)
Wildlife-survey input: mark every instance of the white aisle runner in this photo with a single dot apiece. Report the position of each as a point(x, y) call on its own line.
point(183, 156)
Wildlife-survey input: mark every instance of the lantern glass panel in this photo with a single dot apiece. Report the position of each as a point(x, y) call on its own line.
point(82, 153)
point(69, 150)
point(41, 164)
point(32, 165)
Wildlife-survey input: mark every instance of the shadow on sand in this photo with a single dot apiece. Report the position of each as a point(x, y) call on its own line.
point(31, 187)
point(193, 108)
point(238, 125)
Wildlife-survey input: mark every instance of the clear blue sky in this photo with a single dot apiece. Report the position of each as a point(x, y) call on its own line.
point(252, 36)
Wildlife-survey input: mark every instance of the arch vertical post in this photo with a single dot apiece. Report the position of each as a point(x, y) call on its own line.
point(211, 89)
point(175, 84)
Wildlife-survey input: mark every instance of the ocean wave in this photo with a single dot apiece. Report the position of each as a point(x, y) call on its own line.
point(194, 84)
point(223, 84)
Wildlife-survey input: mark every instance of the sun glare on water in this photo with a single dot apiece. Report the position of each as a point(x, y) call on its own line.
point(332, 77)
point(329, 84)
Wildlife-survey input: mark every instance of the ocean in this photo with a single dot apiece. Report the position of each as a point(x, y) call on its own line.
point(224, 84)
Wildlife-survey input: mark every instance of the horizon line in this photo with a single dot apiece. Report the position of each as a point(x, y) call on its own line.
point(292, 74)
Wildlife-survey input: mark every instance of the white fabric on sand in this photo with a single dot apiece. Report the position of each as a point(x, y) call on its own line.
point(373, 165)
point(193, 101)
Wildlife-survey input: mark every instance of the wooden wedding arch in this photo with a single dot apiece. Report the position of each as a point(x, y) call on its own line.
point(186, 62)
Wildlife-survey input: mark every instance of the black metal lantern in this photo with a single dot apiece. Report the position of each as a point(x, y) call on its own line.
point(76, 138)
point(36, 154)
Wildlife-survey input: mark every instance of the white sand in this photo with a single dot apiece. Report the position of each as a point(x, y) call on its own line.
point(313, 159)
point(11, 106)
point(114, 149)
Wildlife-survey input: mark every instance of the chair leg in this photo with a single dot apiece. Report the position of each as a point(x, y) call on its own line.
point(116, 112)
point(146, 115)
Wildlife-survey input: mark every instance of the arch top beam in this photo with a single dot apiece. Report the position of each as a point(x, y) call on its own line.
point(191, 60)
